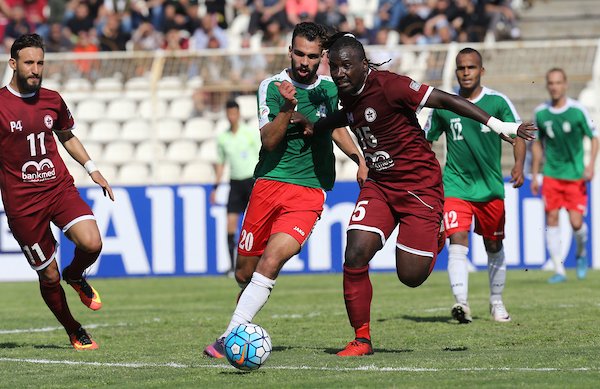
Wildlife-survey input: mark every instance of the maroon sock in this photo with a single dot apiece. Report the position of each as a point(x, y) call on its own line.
point(54, 296)
point(81, 261)
point(358, 294)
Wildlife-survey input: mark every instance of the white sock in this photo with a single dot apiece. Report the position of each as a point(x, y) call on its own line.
point(458, 272)
point(581, 237)
point(253, 298)
point(553, 244)
point(497, 274)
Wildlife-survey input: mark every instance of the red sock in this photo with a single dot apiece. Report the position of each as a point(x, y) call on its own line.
point(54, 296)
point(81, 261)
point(358, 294)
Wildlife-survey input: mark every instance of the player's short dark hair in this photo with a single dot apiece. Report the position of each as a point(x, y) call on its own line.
point(24, 41)
point(311, 31)
point(342, 40)
point(559, 70)
point(470, 50)
point(231, 104)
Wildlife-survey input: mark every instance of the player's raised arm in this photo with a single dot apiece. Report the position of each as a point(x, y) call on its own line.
point(76, 150)
point(272, 133)
point(463, 107)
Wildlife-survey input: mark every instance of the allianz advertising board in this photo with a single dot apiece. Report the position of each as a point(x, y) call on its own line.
point(175, 231)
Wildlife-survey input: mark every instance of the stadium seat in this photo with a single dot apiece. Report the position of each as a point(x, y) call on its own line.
point(149, 151)
point(94, 150)
point(168, 130)
point(104, 131)
point(198, 172)
point(135, 130)
point(137, 88)
point(118, 152)
point(121, 109)
point(253, 123)
point(108, 84)
point(81, 130)
point(221, 125)
point(208, 151)
point(77, 85)
point(148, 109)
point(182, 151)
point(198, 129)
point(134, 173)
point(90, 110)
point(181, 108)
point(248, 106)
point(108, 170)
point(167, 172)
point(52, 83)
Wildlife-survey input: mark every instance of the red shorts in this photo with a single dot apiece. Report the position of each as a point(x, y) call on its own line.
point(274, 207)
point(381, 207)
point(568, 194)
point(489, 217)
point(33, 231)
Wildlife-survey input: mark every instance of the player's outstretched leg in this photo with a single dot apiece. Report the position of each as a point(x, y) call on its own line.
point(87, 294)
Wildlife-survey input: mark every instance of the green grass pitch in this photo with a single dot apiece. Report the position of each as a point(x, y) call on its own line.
point(151, 333)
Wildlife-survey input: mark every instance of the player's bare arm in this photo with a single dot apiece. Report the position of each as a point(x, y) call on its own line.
point(344, 141)
point(588, 173)
point(274, 132)
point(76, 150)
point(463, 107)
point(537, 152)
point(333, 120)
point(517, 176)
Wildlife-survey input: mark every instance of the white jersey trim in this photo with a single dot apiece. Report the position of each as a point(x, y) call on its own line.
point(18, 94)
point(424, 99)
point(414, 251)
point(77, 220)
point(48, 261)
point(362, 227)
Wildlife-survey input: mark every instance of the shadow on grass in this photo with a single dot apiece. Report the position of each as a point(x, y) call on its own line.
point(432, 319)
point(376, 350)
point(8, 345)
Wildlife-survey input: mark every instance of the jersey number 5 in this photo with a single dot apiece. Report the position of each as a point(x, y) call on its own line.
point(359, 211)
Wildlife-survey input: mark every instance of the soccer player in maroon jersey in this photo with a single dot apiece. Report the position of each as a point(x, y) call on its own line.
point(37, 188)
point(404, 185)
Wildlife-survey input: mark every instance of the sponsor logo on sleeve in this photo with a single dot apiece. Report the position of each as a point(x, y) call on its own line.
point(414, 85)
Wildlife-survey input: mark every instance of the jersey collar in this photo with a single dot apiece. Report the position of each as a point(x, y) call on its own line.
point(21, 95)
point(284, 74)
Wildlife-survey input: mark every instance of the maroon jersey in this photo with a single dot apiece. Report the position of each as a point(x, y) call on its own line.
point(31, 170)
point(383, 116)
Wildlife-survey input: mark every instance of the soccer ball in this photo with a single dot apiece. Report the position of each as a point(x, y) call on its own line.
point(248, 346)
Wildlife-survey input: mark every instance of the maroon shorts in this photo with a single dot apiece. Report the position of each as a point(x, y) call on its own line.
point(33, 231)
point(568, 194)
point(274, 207)
point(418, 214)
point(489, 217)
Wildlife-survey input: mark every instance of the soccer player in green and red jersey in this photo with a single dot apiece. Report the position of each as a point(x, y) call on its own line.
point(563, 124)
point(293, 172)
point(473, 183)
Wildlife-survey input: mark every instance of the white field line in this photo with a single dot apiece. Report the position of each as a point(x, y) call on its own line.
point(50, 329)
point(317, 368)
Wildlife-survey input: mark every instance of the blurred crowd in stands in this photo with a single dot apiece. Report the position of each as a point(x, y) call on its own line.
point(112, 25)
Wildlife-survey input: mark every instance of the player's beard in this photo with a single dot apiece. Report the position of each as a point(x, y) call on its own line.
point(308, 79)
point(24, 83)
